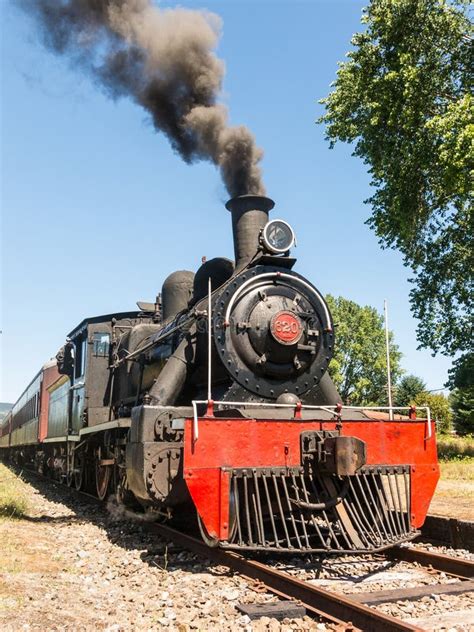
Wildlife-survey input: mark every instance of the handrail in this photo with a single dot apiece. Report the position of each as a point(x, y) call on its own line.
point(278, 276)
point(329, 408)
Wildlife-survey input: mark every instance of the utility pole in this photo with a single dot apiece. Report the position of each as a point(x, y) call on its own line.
point(387, 346)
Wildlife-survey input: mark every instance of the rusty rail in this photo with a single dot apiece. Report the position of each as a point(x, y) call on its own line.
point(327, 605)
point(459, 567)
point(413, 594)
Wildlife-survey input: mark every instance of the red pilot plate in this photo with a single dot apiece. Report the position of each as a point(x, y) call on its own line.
point(286, 328)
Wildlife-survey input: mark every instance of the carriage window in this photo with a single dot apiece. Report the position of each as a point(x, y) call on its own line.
point(100, 344)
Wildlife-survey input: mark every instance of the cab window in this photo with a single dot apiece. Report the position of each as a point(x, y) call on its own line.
point(100, 344)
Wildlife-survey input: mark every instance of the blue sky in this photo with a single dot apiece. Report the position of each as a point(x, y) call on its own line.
point(97, 209)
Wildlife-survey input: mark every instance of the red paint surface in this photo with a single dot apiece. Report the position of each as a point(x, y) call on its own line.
point(50, 375)
point(286, 328)
point(241, 443)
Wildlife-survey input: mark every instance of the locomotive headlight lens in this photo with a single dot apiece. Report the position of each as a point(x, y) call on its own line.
point(278, 236)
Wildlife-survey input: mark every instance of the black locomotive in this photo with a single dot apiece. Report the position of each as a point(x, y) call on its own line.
point(238, 352)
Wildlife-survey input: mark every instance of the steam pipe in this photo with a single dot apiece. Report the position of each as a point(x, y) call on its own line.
point(172, 378)
point(328, 391)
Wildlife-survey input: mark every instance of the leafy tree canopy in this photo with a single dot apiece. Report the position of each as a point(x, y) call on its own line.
point(439, 407)
point(407, 389)
point(359, 367)
point(404, 98)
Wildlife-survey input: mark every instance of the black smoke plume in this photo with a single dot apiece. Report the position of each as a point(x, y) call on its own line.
point(164, 60)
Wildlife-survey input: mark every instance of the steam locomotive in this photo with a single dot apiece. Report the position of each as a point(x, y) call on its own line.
point(215, 401)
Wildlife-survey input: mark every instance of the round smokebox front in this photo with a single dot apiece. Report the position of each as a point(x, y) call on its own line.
point(273, 332)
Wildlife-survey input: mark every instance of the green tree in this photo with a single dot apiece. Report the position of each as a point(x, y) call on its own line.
point(404, 98)
point(462, 404)
point(359, 367)
point(439, 407)
point(407, 389)
point(462, 397)
point(461, 375)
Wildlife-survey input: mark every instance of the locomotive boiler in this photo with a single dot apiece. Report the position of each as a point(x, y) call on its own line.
point(216, 401)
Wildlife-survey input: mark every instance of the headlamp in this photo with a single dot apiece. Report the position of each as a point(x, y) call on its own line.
point(278, 237)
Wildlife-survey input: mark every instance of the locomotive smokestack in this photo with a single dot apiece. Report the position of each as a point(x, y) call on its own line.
point(249, 216)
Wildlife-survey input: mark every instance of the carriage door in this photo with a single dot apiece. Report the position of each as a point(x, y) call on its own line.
point(78, 387)
point(98, 374)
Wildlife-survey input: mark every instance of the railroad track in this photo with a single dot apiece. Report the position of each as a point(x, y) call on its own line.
point(354, 612)
point(350, 612)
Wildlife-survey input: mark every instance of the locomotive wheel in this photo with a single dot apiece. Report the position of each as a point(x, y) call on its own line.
point(103, 473)
point(70, 468)
point(102, 479)
point(78, 472)
point(124, 496)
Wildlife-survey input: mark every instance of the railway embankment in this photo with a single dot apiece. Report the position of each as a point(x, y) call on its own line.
point(68, 563)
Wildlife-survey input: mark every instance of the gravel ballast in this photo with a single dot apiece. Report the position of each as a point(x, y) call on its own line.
point(74, 565)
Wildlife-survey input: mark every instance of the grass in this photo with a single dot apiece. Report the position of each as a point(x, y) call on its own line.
point(461, 470)
point(13, 503)
point(456, 457)
point(455, 448)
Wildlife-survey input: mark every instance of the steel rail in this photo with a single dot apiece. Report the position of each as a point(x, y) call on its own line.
point(413, 594)
point(459, 567)
point(322, 603)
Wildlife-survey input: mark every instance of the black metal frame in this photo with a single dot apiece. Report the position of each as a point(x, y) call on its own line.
point(300, 509)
